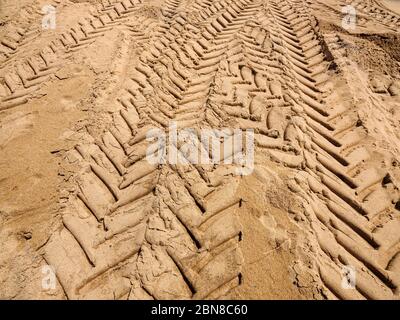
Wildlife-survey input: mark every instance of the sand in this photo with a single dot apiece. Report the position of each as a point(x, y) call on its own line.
point(84, 214)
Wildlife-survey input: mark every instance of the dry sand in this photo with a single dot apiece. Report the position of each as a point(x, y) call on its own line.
point(318, 217)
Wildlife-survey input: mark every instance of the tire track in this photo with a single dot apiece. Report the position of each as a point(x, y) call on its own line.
point(20, 32)
point(136, 230)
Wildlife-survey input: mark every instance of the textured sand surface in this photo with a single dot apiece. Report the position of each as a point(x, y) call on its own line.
point(79, 197)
